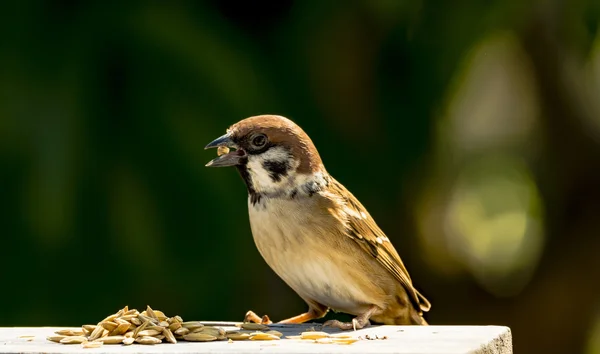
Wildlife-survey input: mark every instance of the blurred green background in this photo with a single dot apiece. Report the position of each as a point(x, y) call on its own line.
point(470, 130)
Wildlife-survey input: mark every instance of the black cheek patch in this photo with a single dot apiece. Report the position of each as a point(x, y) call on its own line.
point(277, 169)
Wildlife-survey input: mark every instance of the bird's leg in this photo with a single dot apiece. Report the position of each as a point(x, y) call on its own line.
point(251, 316)
point(357, 323)
point(307, 316)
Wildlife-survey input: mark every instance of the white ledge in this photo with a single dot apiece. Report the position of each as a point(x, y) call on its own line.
point(400, 340)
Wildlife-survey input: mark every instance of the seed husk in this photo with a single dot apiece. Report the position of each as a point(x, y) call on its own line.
point(88, 345)
point(111, 339)
point(178, 319)
point(148, 340)
point(73, 340)
point(56, 338)
point(136, 321)
point(254, 326)
point(314, 335)
point(199, 337)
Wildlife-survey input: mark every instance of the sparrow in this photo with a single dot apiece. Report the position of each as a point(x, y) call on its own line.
point(313, 232)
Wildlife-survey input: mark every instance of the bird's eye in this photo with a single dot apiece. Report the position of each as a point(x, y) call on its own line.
point(259, 140)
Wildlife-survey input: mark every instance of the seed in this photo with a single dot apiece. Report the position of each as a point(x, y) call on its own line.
point(91, 344)
point(182, 331)
point(275, 333)
point(160, 336)
point(236, 335)
point(128, 341)
point(169, 336)
point(178, 319)
point(324, 341)
point(160, 315)
point(213, 331)
point(164, 324)
point(73, 340)
point(150, 312)
point(70, 332)
point(148, 332)
point(111, 339)
point(222, 150)
point(140, 328)
point(90, 328)
point(121, 328)
point(132, 312)
point(109, 325)
point(199, 337)
point(148, 340)
point(175, 326)
point(340, 336)
point(314, 335)
point(293, 337)
point(254, 326)
point(136, 321)
point(344, 340)
point(96, 333)
point(264, 336)
point(56, 339)
point(192, 324)
point(145, 318)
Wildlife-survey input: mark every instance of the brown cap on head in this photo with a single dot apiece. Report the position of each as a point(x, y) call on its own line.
point(282, 131)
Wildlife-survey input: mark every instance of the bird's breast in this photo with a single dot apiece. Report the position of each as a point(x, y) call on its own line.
point(320, 267)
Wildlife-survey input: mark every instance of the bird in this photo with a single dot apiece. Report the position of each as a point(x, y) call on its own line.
point(312, 232)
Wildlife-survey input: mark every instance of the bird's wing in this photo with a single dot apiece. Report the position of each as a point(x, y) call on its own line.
point(362, 228)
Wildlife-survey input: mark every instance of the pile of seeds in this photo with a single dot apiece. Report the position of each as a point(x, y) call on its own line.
point(153, 327)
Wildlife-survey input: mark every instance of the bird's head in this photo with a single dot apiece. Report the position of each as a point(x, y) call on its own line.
point(272, 153)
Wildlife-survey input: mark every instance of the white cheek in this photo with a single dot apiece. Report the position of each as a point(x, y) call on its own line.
point(261, 178)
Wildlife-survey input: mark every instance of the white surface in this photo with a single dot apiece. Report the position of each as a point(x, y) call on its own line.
point(401, 339)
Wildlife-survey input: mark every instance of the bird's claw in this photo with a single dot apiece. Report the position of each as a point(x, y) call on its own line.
point(357, 323)
point(251, 316)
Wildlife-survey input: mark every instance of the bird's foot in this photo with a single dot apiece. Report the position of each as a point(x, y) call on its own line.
point(251, 316)
point(357, 323)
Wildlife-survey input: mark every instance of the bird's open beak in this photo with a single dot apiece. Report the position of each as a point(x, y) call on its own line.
point(232, 158)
